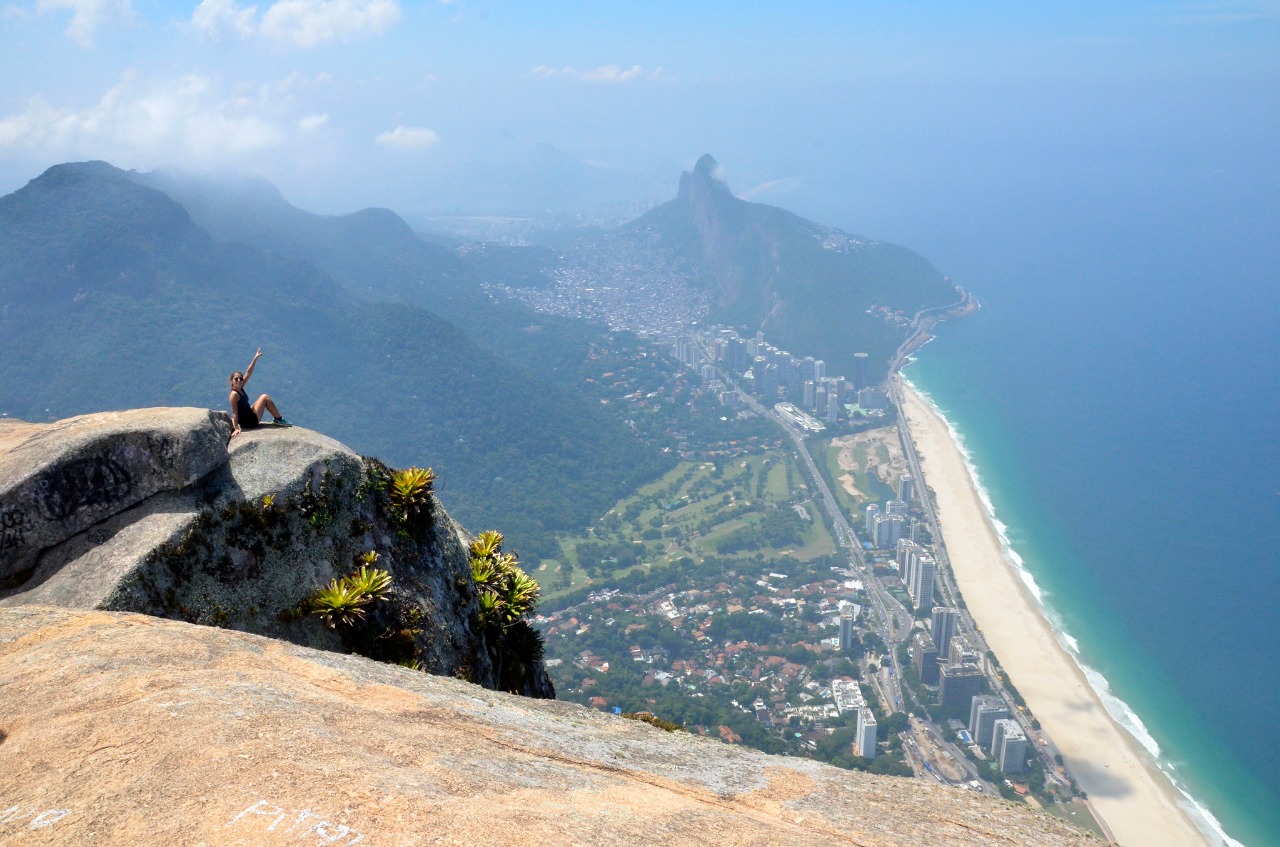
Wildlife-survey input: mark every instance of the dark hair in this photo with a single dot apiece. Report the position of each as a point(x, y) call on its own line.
point(235, 374)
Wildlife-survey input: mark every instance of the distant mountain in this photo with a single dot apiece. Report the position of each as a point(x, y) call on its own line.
point(375, 255)
point(807, 286)
point(112, 297)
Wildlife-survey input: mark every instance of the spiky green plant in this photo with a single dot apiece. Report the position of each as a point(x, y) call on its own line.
point(521, 593)
point(370, 559)
point(506, 593)
point(487, 544)
point(370, 582)
point(268, 500)
point(411, 493)
point(341, 604)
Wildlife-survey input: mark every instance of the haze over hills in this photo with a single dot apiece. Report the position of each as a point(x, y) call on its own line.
point(112, 297)
point(154, 286)
point(708, 255)
point(806, 285)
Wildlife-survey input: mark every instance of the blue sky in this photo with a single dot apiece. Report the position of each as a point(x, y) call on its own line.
point(854, 113)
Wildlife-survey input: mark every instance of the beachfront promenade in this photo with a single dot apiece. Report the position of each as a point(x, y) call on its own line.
point(1138, 804)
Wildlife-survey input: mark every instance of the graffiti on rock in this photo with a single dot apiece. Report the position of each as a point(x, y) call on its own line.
point(297, 824)
point(75, 485)
point(30, 817)
point(15, 523)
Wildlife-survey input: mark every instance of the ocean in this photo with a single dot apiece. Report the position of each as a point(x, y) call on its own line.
point(1119, 398)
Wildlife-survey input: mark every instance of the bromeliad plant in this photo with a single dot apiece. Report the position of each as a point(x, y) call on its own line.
point(506, 593)
point(507, 596)
point(410, 493)
point(343, 602)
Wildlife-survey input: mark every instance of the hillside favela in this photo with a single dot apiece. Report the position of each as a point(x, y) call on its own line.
point(846, 484)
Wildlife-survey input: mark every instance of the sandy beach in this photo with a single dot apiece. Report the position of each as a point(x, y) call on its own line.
point(1137, 802)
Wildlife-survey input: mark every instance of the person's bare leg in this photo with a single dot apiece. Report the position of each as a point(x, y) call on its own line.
point(265, 402)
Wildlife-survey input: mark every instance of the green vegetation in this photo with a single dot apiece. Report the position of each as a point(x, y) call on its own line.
point(653, 720)
point(410, 496)
point(507, 597)
point(342, 602)
point(506, 593)
point(731, 508)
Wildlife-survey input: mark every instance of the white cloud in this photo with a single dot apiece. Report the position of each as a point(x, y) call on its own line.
point(139, 121)
point(604, 73)
point(408, 138)
point(218, 19)
point(305, 23)
point(88, 15)
point(313, 122)
point(311, 22)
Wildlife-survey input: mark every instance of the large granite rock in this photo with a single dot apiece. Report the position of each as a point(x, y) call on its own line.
point(59, 479)
point(182, 527)
point(126, 730)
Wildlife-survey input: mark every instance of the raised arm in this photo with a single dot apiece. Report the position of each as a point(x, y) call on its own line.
point(248, 372)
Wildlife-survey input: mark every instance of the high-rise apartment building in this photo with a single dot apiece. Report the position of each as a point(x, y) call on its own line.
point(865, 740)
point(943, 626)
point(983, 714)
point(906, 488)
point(924, 657)
point(859, 371)
point(921, 586)
point(769, 384)
point(846, 628)
point(958, 685)
point(1009, 746)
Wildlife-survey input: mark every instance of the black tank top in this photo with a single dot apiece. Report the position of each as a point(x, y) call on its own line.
point(244, 411)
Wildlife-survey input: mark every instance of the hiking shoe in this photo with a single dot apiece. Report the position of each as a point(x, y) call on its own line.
point(282, 422)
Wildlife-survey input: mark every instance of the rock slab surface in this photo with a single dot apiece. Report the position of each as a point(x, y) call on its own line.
point(59, 479)
point(129, 730)
point(155, 511)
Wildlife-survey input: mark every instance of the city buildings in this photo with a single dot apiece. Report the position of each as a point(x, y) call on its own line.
point(1009, 746)
point(865, 740)
point(983, 714)
point(958, 685)
point(924, 657)
point(943, 626)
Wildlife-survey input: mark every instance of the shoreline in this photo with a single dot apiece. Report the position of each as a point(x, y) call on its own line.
point(1137, 801)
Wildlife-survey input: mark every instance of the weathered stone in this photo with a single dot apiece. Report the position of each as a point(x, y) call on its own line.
point(126, 730)
point(59, 479)
point(246, 546)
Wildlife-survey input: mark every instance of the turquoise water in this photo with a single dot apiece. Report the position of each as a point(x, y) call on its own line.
point(1119, 396)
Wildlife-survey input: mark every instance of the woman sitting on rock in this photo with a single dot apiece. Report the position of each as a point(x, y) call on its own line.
point(246, 415)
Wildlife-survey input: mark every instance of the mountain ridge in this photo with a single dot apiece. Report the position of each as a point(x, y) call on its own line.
point(105, 309)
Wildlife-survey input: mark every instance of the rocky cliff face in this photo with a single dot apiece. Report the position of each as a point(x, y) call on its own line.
point(129, 730)
point(151, 511)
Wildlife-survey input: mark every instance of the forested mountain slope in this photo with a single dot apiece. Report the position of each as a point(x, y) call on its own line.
point(111, 297)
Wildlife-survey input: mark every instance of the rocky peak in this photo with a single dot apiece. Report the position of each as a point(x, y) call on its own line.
point(152, 511)
point(706, 178)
